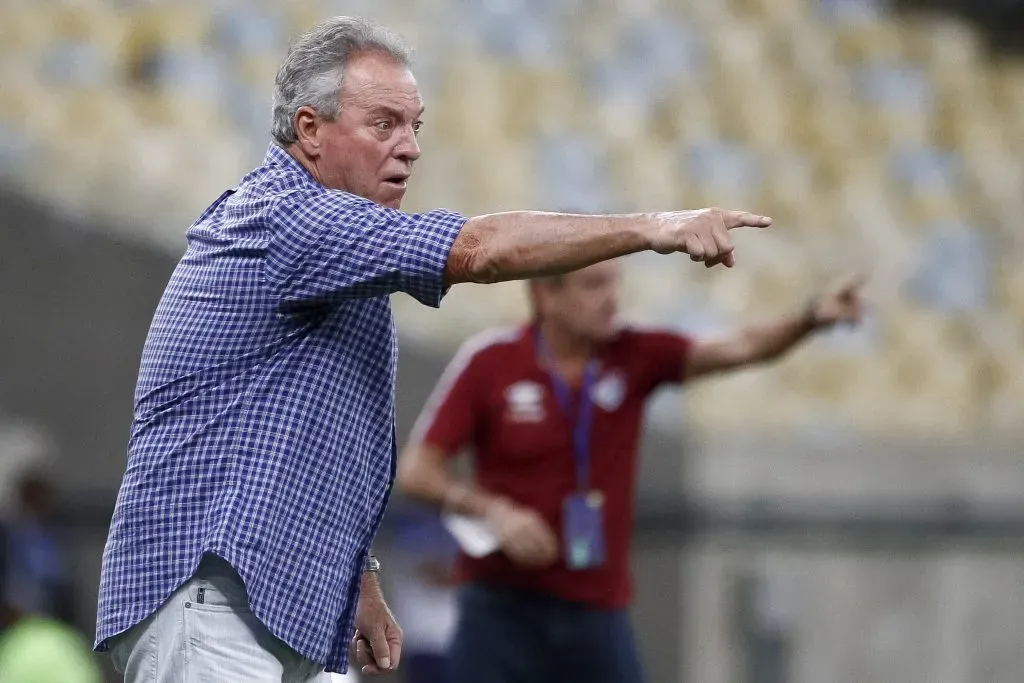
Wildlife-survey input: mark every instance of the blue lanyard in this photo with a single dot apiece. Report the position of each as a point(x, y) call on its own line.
point(584, 413)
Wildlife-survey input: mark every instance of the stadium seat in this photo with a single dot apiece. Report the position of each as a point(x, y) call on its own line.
point(869, 42)
point(859, 130)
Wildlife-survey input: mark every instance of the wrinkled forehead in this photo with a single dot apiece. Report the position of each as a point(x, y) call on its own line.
point(374, 80)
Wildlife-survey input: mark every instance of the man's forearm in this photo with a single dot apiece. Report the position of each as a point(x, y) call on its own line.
point(453, 495)
point(464, 498)
point(423, 477)
point(767, 341)
point(523, 244)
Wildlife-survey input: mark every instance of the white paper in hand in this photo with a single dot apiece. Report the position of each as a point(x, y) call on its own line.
point(473, 535)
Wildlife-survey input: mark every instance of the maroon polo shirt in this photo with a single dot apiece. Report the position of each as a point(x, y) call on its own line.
point(497, 400)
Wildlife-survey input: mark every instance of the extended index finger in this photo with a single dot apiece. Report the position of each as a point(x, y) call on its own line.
point(744, 219)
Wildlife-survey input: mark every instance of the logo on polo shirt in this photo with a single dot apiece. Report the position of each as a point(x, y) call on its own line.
point(525, 402)
point(609, 391)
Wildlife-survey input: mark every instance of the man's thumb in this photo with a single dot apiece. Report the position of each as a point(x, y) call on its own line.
point(381, 649)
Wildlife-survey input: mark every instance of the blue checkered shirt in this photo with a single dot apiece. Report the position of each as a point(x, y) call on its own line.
point(264, 412)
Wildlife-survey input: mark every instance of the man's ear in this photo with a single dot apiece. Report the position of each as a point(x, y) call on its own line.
point(307, 127)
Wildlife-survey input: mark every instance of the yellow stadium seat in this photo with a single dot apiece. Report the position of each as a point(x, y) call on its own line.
point(473, 100)
point(996, 173)
point(827, 126)
point(440, 176)
point(887, 129)
point(953, 47)
point(183, 25)
point(1008, 91)
point(710, 14)
point(685, 118)
point(965, 97)
point(737, 52)
point(768, 125)
point(81, 22)
point(258, 70)
point(925, 208)
point(178, 112)
point(807, 49)
point(1010, 290)
point(646, 173)
point(101, 115)
point(535, 95)
point(512, 188)
point(1003, 408)
point(36, 109)
point(912, 330)
point(771, 286)
point(624, 120)
point(24, 30)
point(790, 181)
point(869, 43)
point(772, 11)
point(302, 15)
point(1008, 79)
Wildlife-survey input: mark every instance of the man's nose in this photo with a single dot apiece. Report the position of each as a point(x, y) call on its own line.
point(408, 148)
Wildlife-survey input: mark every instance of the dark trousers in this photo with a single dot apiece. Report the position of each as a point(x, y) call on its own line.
point(506, 636)
point(424, 667)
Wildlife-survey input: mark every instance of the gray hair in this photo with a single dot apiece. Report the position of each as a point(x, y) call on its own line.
point(310, 75)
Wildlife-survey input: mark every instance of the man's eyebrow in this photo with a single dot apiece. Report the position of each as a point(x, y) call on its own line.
point(397, 112)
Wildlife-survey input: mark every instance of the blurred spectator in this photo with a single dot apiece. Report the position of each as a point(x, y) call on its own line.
point(32, 562)
point(38, 644)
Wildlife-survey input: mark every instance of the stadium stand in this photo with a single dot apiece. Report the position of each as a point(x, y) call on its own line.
point(876, 140)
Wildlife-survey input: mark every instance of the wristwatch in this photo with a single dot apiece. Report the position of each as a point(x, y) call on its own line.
point(371, 564)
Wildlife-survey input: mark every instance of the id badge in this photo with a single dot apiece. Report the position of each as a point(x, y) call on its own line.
point(584, 530)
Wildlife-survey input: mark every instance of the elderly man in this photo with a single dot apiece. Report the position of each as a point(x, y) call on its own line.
point(261, 453)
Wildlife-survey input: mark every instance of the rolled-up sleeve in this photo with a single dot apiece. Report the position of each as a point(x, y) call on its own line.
point(328, 246)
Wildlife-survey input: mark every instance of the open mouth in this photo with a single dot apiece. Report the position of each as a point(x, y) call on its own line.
point(397, 181)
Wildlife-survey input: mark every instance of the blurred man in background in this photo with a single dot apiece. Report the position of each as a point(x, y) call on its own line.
point(38, 640)
point(552, 412)
point(33, 568)
point(261, 452)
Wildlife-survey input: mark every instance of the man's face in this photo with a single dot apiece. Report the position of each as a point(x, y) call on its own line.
point(36, 496)
point(370, 148)
point(585, 302)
